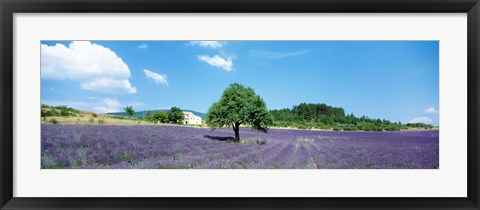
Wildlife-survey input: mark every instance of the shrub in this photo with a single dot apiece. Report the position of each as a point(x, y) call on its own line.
point(101, 121)
point(91, 120)
point(148, 116)
point(54, 121)
point(64, 112)
point(303, 127)
point(95, 115)
point(67, 109)
point(119, 117)
point(350, 128)
point(392, 128)
point(47, 113)
point(160, 116)
point(54, 112)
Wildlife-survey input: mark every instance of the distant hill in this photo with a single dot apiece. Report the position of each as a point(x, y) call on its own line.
point(142, 113)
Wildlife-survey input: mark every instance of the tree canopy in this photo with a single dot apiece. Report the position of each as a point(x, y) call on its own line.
point(160, 116)
point(129, 110)
point(148, 116)
point(239, 105)
point(175, 115)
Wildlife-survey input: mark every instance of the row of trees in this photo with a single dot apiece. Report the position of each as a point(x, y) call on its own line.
point(309, 113)
point(322, 116)
point(174, 115)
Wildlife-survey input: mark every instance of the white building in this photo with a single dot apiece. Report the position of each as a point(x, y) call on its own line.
point(192, 119)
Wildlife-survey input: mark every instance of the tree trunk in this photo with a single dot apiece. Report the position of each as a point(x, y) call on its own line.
point(236, 129)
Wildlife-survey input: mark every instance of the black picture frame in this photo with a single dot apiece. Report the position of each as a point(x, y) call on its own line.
point(10, 7)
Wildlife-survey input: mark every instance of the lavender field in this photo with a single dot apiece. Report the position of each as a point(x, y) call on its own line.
point(177, 147)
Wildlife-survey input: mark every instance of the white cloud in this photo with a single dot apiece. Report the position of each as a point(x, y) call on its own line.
point(107, 105)
point(431, 110)
point(109, 85)
point(143, 46)
point(211, 44)
point(158, 78)
point(86, 62)
point(217, 61)
point(277, 55)
point(420, 120)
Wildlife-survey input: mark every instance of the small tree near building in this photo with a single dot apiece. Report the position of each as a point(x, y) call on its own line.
point(239, 105)
point(175, 115)
point(148, 116)
point(160, 116)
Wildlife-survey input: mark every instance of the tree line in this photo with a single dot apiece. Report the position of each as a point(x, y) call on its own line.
point(322, 116)
point(174, 115)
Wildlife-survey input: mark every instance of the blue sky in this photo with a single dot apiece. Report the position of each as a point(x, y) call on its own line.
point(393, 80)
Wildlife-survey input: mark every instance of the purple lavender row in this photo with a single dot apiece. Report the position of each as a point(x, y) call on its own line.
point(177, 147)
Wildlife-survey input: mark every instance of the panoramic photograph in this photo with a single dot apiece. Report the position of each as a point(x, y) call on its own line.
point(224, 104)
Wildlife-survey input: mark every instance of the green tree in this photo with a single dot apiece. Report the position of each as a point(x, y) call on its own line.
point(64, 111)
point(176, 115)
point(129, 110)
point(148, 116)
point(239, 105)
point(160, 116)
